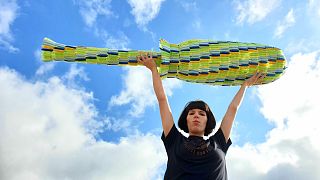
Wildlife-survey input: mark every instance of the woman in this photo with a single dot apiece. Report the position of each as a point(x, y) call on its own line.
point(193, 157)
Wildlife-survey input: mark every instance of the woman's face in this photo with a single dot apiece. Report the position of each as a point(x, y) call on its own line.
point(196, 121)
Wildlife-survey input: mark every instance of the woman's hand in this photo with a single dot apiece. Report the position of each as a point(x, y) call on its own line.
point(255, 79)
point(146, 60)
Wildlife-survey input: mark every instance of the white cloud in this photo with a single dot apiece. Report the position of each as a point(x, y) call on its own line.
point(75, 72)
point(192, 7)
point(8, 13)
point(145, 10)
point(44, 67)
point(314, 7)
point(121, 41)
point(116, 124)
point(138, 90)
point(37, 55)
point(291, 149)
point(44, 136)
point(301, 46)
point(288, 21)
point(252, 11)
point(196, 24)
point(170, 84)
point(91, 9)
point(189, 6)
point(297, 86)
point(127, 22)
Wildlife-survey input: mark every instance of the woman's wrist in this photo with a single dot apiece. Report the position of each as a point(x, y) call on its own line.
point(153, 69)
point(244, 85)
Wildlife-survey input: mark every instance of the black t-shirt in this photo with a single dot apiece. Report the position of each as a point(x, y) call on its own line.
point(194, 157)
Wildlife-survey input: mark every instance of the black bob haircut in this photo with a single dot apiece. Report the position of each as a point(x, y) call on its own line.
point(198, 104)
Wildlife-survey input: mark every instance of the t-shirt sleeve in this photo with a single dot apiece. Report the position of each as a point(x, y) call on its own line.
point(169, 140)
point(221, 140)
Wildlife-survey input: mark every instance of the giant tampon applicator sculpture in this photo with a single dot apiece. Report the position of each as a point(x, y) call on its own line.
point(224, 63)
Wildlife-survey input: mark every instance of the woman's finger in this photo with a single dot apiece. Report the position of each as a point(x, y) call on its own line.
point(143, 56)
point(256, 76)
point(139, 56)
point(261, 78)
point(253, 79)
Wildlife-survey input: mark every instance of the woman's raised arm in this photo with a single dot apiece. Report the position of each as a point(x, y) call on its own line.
point(165, 111)
point(230, 115)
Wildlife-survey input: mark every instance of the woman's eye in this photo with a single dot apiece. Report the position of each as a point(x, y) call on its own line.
point(201, 114)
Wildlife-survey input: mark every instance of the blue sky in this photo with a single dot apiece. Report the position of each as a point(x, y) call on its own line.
point(102, 122)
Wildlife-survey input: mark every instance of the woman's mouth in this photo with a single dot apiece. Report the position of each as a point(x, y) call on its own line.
point(196, 122)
